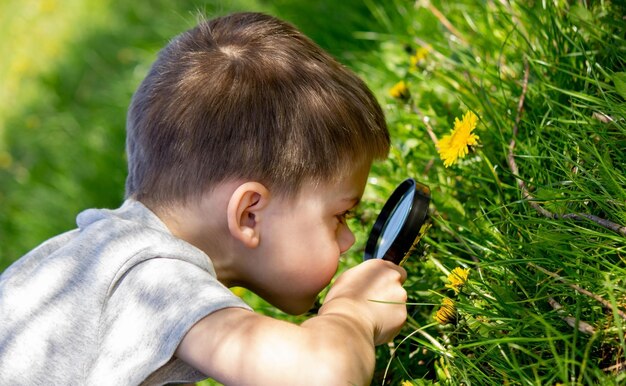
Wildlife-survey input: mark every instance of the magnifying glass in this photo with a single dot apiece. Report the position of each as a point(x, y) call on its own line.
point(401, 223)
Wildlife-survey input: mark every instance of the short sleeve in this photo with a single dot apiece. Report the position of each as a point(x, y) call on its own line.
point(149, 312)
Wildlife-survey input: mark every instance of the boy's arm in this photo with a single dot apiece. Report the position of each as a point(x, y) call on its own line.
point(235, 346)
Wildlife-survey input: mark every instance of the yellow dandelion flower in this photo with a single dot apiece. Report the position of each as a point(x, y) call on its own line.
point(420, 55)
point(447, 312)
point(407, 383)
point(454, 145)
point(400, 91)
point(458, 278)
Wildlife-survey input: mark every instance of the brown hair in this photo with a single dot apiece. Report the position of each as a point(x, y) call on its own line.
point(247, 96)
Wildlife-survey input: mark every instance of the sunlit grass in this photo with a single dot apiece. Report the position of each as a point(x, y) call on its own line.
point(36, 35)
point(535, 210)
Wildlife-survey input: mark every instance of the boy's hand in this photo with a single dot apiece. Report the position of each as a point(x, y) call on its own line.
point(374, 290)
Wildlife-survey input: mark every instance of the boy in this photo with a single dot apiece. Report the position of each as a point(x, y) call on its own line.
point(247, 146)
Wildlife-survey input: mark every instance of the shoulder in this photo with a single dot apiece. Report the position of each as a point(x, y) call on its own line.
point(131, 234)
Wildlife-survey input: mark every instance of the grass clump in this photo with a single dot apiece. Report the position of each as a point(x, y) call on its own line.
point(536, 211)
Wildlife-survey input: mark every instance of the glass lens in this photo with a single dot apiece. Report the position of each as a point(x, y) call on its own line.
point(394, 223)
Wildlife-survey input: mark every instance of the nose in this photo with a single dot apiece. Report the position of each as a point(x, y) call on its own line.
point(345, 238)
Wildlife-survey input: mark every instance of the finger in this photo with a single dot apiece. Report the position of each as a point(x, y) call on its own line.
point(403, 274)
point(397, 268)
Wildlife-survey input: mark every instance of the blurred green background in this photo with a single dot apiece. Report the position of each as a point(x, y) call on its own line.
point(67, 72)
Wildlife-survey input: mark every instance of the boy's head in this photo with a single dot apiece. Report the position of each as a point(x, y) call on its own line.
point(247, 96)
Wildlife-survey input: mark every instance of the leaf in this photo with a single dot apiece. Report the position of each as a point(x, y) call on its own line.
point(619, 79)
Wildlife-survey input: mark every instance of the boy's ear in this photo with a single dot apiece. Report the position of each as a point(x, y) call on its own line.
point(244, 212)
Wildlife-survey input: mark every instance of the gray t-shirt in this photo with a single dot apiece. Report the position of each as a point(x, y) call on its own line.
point(106, 304)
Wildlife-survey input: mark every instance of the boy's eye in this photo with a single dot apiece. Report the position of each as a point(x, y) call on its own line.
point(348, 214)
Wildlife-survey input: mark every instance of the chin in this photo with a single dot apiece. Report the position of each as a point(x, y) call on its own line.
point(291, 304)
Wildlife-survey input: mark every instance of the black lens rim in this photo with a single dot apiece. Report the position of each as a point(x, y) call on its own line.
point(418, 214)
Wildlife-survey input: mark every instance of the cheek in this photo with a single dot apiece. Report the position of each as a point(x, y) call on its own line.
point(327, 265)
point(310, 260)
point(320, 267)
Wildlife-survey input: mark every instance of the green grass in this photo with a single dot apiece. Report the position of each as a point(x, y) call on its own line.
point(61, 150)
point(525, 252)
